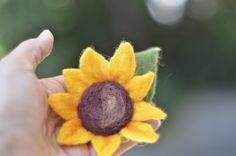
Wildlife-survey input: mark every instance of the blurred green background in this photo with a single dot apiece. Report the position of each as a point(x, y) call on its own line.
point(197, 70)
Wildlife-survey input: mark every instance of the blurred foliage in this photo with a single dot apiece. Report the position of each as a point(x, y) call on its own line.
point(195, 53)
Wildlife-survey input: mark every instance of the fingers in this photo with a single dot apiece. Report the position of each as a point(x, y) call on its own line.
point(124, 148)
point(92, 152)
point(54, 84)
point(31, 52)
point(79, 150)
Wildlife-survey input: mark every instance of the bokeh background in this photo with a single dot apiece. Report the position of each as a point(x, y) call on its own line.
point(197, 70)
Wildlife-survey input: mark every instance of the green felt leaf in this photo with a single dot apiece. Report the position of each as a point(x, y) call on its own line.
point(147, 60)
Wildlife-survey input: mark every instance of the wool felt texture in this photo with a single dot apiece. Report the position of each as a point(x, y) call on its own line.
point(64, 104)
point(106, 146)
point(135, 73)
point(110, 105)
point(148, 60)
point(140, 132)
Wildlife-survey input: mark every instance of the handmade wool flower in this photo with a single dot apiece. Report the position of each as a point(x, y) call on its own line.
point(104, 102)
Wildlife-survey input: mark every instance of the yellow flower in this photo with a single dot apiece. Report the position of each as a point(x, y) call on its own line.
point(104, 102)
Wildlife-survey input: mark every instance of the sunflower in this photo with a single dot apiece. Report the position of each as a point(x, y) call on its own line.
point(104, 102)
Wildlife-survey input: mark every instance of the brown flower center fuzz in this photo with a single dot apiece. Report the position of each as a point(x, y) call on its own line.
point(105, 107)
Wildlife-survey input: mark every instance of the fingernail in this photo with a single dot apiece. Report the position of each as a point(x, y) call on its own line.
point(46, 40)
point(45, 34)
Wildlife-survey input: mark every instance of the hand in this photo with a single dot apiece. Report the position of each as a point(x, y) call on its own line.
point(27, 125)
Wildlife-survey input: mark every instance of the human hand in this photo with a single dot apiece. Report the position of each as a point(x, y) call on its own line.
point(28, 127)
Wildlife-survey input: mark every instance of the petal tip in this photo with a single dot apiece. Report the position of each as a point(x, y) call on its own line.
point(88, 49)
point(151, 77)
point(69, 70)
point(139, 86)
point(87, 52)
point(106, 146)
point(144, 111)
point(164, 116)
point(60, 140)
point(65, 70)
point(94, 64)
point(155, 139)
point(52, 98)
point(127, 46)
point(151, 74)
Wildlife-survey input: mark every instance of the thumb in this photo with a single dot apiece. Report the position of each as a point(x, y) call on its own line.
point(32, 52)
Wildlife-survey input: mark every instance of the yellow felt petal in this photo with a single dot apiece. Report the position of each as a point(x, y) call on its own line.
point(64, 104)
point(144, 111)
point(123, 63)
point(106, 145)
point(76, 81)
point(140, 132)
point(139, 86)
point(94, 64)
point(73, 133)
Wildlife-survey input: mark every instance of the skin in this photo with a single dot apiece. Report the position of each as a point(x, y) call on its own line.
point(27, 125)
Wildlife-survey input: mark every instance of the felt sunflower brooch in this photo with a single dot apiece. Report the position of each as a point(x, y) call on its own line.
point(108, 100)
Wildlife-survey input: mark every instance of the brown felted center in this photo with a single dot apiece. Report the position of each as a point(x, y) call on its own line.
point(105, 107)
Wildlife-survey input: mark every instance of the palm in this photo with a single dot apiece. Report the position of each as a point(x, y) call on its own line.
point(24, 97)
point(54, 85)
point(50, 86)
point(39, 91)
